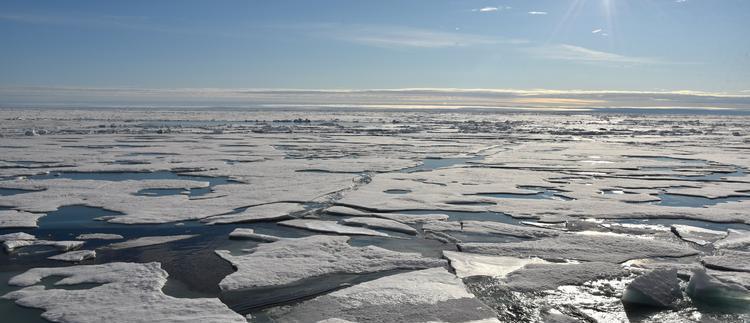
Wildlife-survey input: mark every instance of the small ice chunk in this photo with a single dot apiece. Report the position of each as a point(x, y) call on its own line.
point(658, 288)
point(149, 241)
point(697, 235)
point(706, 288)
point(469, 264)
point(99, 236)
point(249, 234)
point(75, 256)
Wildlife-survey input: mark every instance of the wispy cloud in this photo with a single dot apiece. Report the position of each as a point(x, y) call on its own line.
point(111, 22)
point(491, 9)
point(403, 37)
point(129, 22)
point(538, 13)
point(600, 32)
point(581, 54)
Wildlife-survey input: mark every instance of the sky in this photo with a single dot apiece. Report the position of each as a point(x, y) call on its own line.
point(213, 52)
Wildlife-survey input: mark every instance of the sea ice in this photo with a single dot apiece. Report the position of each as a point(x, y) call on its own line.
point(537, 277)
point(11, 245)
point(489, 227)
point(75, 256)
point(129, 292)
point(469, 264)
point(249, 234)
point(289, 260)
point(704, 287)
point(609, 248)
point(734, 239)
point(400, 217)
point(265, 212)
point(330, 227)
point(697, 235)
point(148, 241)
point(659, 288)
point(99, 236)
point(377, 223)
point(16, 236)
point(430, 295)
point(18, 219)
point(731, 260)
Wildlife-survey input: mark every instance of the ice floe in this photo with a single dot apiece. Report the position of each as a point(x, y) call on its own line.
point(488, 227)
point(266, 212)
point(430, 295)
point(249, 234)
point(734, 239)
point(128, 292)
point(18, 219)
point(377, 223)
point(11, 245)
point(536, 277)
point(289, 260)
point(99, 236)
point(400, 217)
point(330, 227)
point(609, 248)
point(731, 260)
point(75, 256)
point(469, 264)
point(16, 236)
point(697, 235)
point(148, 241)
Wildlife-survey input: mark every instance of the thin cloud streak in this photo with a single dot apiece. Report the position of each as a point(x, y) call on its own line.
point(403, 37)
point(568, 52)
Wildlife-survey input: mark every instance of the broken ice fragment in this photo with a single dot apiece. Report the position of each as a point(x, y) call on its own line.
point(658, 288)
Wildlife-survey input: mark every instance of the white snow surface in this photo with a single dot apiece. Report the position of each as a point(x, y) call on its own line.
point(129, 292)
point(289, 260)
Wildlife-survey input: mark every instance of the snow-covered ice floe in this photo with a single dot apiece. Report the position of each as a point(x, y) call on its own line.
point(609, 248)
point(289, 260)
point(127, 292)
point(149, 241)
point(429, 295)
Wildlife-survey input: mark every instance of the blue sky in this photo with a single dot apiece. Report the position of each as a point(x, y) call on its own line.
point(591, 45)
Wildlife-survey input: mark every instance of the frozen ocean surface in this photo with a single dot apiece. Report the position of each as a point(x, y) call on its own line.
point(499, 216)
